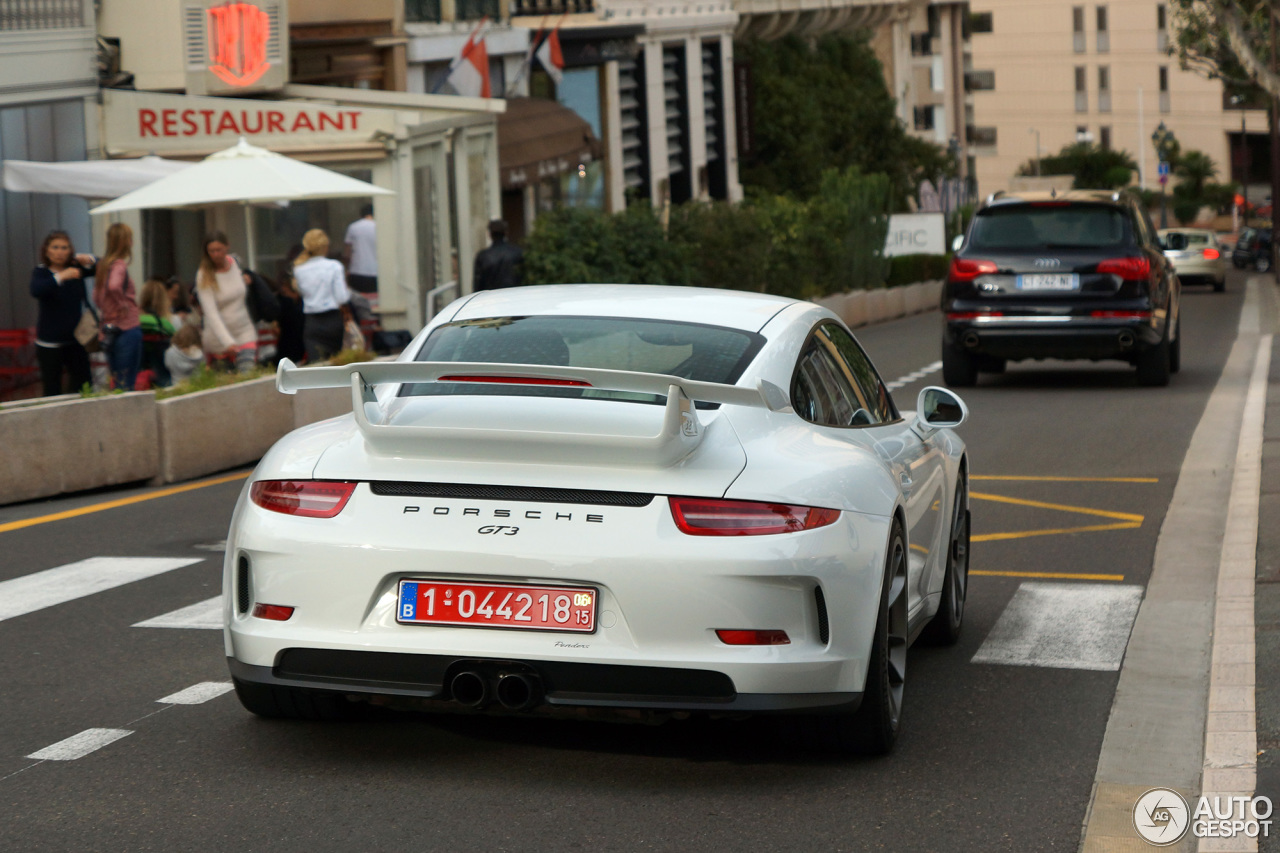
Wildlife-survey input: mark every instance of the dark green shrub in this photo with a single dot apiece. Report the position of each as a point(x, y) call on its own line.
point(909, 269)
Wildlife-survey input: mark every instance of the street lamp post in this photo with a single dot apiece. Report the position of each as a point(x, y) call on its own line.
point(1238, 100)
point(1163, 139)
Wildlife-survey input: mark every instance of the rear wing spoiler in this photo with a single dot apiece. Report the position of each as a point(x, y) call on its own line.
point(679, 435)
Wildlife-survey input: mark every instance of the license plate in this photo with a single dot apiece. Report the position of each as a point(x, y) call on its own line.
point(1049, 281)
point(492, 605)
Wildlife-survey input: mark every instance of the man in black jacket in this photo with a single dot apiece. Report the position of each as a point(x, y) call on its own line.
point(500, 265)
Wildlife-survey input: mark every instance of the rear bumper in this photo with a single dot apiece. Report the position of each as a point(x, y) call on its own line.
point(1086, 339)
point(564, 684)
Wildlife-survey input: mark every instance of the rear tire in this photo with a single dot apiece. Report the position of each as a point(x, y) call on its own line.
point(959, 369)
point(1175, 348)
point(873, 728)
point(292, 703)
point(1154, 365)
point(944, 627)
point(1262, 263)
point(1220, 286)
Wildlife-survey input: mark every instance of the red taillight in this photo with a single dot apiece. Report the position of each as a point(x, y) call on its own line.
point(308, 498)
point(1130, 269)
point(972, 315)
point(963, 269)
point(1212, 254)
point(1121, 315)
point(515, 380)
point(753, 638)
point(712, 517)
point(274, 612)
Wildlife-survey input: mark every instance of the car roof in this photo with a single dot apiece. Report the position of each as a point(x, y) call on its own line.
point(1208, 231)
point(734, 309)
point(1107, 196)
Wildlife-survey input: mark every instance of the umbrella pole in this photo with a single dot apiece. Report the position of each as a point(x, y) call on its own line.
point(250, 246)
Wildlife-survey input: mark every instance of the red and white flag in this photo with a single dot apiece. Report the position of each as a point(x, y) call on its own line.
point(549, 55)
point(469, 74)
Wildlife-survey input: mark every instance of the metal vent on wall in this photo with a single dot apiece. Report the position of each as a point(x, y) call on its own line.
point(634, 125)
point(676, 103)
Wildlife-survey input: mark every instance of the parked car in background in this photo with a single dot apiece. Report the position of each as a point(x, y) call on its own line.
point(1074, 275)
point(1197, 256)
point(1253, 250)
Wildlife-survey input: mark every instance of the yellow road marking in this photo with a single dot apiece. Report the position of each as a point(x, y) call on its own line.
point(149, 496)
point(1083, 510)
point(1066, 479)
point(1026, 534)
point(1049, 575)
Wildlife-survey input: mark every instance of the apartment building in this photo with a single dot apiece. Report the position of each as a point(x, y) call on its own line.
point(1053, 73)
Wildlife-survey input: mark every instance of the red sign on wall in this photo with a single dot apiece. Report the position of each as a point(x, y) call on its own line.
point(238, 36)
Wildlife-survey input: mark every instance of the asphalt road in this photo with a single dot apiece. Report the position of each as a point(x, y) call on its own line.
point(992, 756)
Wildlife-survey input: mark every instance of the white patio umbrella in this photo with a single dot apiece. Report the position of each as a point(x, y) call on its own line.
point(87, 178)
point(247, 175)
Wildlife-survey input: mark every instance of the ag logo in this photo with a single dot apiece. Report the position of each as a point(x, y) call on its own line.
point(1161, 816)
point(238, 34)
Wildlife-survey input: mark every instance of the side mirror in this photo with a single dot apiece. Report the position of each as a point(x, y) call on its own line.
point(956, 242)
point(938, 408)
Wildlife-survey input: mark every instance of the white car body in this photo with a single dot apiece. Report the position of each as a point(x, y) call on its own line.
point(1198, 256)
point(459, 464)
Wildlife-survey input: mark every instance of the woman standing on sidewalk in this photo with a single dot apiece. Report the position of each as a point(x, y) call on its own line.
point(113, 290)
point(229, 333)
point(321, 282)
point(58, 285)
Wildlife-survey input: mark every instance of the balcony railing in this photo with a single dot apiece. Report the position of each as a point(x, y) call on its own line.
point(422, 11)
point(1082, 102)
point(1104, 100)
point(551, 7)
point(41, 14)
point(474, 10)
point(981, 136)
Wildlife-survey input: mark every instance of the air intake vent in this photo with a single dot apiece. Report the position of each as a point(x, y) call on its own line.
point(824, 628)
point(532, 494)
point(244, 585)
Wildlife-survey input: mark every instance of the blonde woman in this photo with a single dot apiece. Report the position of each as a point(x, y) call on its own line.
point(117, 301)
point(322, 283)
point(229, 333)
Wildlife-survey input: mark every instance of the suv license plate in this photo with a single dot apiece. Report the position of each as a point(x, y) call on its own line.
point(491, 605)
point(1053, 281)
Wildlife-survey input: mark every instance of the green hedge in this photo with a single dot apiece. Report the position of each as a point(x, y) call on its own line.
point(908, 269)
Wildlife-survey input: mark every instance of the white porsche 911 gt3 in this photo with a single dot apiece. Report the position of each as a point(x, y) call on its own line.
point(605, 496)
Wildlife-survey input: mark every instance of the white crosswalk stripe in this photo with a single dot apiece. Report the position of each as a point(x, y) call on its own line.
point(1064, 626)
point(30, 593)
point(903, 381)
point(198, 693)
point(78, 746)
point(204, 614)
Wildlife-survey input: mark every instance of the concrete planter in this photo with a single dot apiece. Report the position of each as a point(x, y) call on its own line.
point(894, 304)
point(77, 443)
point(221, 428)
point(876, 307)
point(933, 294)
point(915, 299)
point(855, 309)
point(832, 303)
point(320, 404)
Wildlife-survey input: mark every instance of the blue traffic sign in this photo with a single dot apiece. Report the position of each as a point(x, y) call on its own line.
point(1163, 168)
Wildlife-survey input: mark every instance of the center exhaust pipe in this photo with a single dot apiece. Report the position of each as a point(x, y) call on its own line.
point(970, 340)
point(470, 689)
point(1125, 339)
point(518, 692)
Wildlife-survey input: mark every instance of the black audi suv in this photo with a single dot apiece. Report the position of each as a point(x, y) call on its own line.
point(1072, 275)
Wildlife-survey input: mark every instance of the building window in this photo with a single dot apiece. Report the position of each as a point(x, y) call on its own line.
point(422, 11)
point(981, 22)
point(475, 10)
point(1162, 27)
point(1104, 35)
point(1104, 88)
point(1077, 28)
point(1082, 90)
point(1164, 89)
point(1104, 137)
point(923, 118)
point(981, 136)
point(921, 44)
point(980, 81)
point(41, 14)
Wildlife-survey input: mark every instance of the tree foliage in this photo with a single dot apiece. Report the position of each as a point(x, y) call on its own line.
point(1227, 40)
point(1091, 166)
point(826, 106)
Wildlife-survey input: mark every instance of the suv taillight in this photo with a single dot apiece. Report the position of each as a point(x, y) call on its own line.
point(1130, 269)
point(307, 498)
point(964, 269)
point(714, 517)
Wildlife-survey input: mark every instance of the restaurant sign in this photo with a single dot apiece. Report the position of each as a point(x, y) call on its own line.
point(148, 122)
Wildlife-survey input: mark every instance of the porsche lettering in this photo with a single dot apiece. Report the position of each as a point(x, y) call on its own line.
point(530, 514)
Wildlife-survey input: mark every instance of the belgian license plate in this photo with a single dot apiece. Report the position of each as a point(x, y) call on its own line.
point(1049, 281)
point(492, 605)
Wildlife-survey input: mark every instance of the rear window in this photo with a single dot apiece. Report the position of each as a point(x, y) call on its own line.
point(688, 350)
point(1050, 226)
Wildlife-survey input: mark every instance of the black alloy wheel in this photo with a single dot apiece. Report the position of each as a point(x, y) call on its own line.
point(944, 628)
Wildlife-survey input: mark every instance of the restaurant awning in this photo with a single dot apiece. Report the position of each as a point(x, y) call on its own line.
point(539, 139)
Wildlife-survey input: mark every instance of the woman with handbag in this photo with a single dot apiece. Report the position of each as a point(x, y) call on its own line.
point(229, 332)
point(58, 285)
point(117, 299)
point(322, 283)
